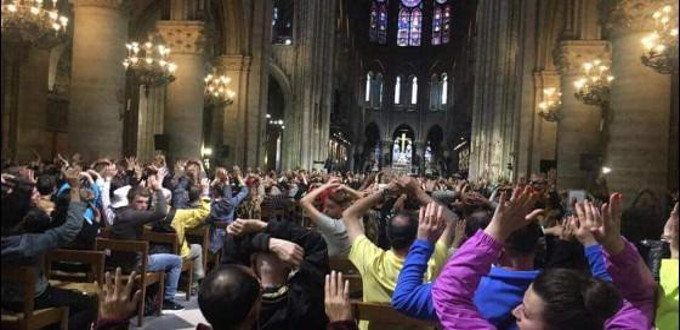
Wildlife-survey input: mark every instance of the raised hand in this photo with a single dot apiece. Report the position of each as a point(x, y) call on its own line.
point(431, 223)
point(289, 252)
point(72, 177)
point(604, 223)
point(336, 298)
point(670, 232)
point(459, 233)
point(244, 226)
point(567, 232)
point(513, 214)
point(116, 301)
point(581, 231)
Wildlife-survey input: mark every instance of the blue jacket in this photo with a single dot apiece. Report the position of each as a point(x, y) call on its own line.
point(28, 249)
point(497, 295)
point(223, 211)
point(89, 213)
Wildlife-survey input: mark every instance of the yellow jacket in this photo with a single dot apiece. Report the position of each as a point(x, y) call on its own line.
point(187, 219)
point(667, 311)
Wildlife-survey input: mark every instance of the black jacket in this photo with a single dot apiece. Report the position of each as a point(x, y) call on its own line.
point(129, 225)
point(303, 306)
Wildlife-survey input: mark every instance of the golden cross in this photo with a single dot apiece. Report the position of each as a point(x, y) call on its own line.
point(403, 140)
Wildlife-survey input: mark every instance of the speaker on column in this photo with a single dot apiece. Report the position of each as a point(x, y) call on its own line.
point(161, 142)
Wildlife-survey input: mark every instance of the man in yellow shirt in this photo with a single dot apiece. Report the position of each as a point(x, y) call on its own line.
point(380, 268)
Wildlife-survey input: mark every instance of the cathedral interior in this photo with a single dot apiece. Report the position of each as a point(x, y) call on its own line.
point(436, 86)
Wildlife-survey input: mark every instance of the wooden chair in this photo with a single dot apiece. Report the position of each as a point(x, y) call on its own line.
point(343, 265)
point(144, 278)
point(201, 234)
point(83, 282)
point(29, 318)
point(171, 239)
point(387, 316)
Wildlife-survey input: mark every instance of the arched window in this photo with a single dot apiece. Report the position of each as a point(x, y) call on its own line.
point(441, 22)
point(378, 22)
point(397, 91)
point(435, 92)
point(445, 89)
point(376, 91)
point(410, 23)
point(369, 82)
point(282, 22)
point(414, 90)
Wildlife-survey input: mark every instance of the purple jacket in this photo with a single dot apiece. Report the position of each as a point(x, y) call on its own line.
point(454, 289)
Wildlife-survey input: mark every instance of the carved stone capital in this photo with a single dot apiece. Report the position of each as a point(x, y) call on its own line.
point(124, 5)
point(628, 16)
point(183, 37)
point(547, 79)
point(233, 63)
point(571, 54)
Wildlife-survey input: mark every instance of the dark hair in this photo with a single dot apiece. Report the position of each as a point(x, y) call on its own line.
point(46, 184)
point(217, 190)
point(525, 240)
point(339, 197)
point(574, 300)
point(476, 221)
point(194, 194)
point(227, 295)
point(137, 191)
point(400, 236)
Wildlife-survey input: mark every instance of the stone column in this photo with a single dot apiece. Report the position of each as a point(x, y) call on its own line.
point(97, 77)
point(578, 131)
point(183, 122)
point(232, 117)
point(637, 151)
point(544, 132)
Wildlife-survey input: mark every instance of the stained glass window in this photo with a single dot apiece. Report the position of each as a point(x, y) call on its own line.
point(378, 22)
point(282, 22)
point(441, 22)
point(414, 90)
point(445, 88)
point(369, 81)
point(397, 91)
point(410, 23)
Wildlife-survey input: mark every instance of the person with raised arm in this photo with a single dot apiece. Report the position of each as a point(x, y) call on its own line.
point(329, 220)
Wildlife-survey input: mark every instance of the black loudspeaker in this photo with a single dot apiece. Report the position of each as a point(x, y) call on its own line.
point(161, 142)
point(591, 162)
point(223, 151)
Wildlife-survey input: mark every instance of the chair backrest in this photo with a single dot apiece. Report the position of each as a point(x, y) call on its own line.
point(386, 315)
point(343, 265)
point(202, 232)
point(126, 246)
point(26, 277)
point(95, 259)
point(161, 238)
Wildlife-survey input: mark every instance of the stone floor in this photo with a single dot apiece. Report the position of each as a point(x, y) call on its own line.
point(186, 319)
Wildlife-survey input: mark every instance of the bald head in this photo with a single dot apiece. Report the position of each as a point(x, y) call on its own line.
point(227, 297)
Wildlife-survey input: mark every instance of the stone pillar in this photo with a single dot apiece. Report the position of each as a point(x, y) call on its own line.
point(637, 151)
point(579, 128)
point(233, 117)
point(544, 132)
point(183, 119)
point(97, 77)
point(33, 105)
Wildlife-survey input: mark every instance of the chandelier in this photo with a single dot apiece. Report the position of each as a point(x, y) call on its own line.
point(30, 22)
point(150, 63)
point(592, 88)
point(217, 91)
point(550, 107)
point(661, 46)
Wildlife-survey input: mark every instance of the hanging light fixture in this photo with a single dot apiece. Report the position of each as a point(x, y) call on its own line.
point(31, 22)
point(661, 46)
point(149, 62)
point(550, 105)
point(217, 91)
point(592, 88)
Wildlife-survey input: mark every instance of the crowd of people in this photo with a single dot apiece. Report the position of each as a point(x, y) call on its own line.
point(461, 254)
